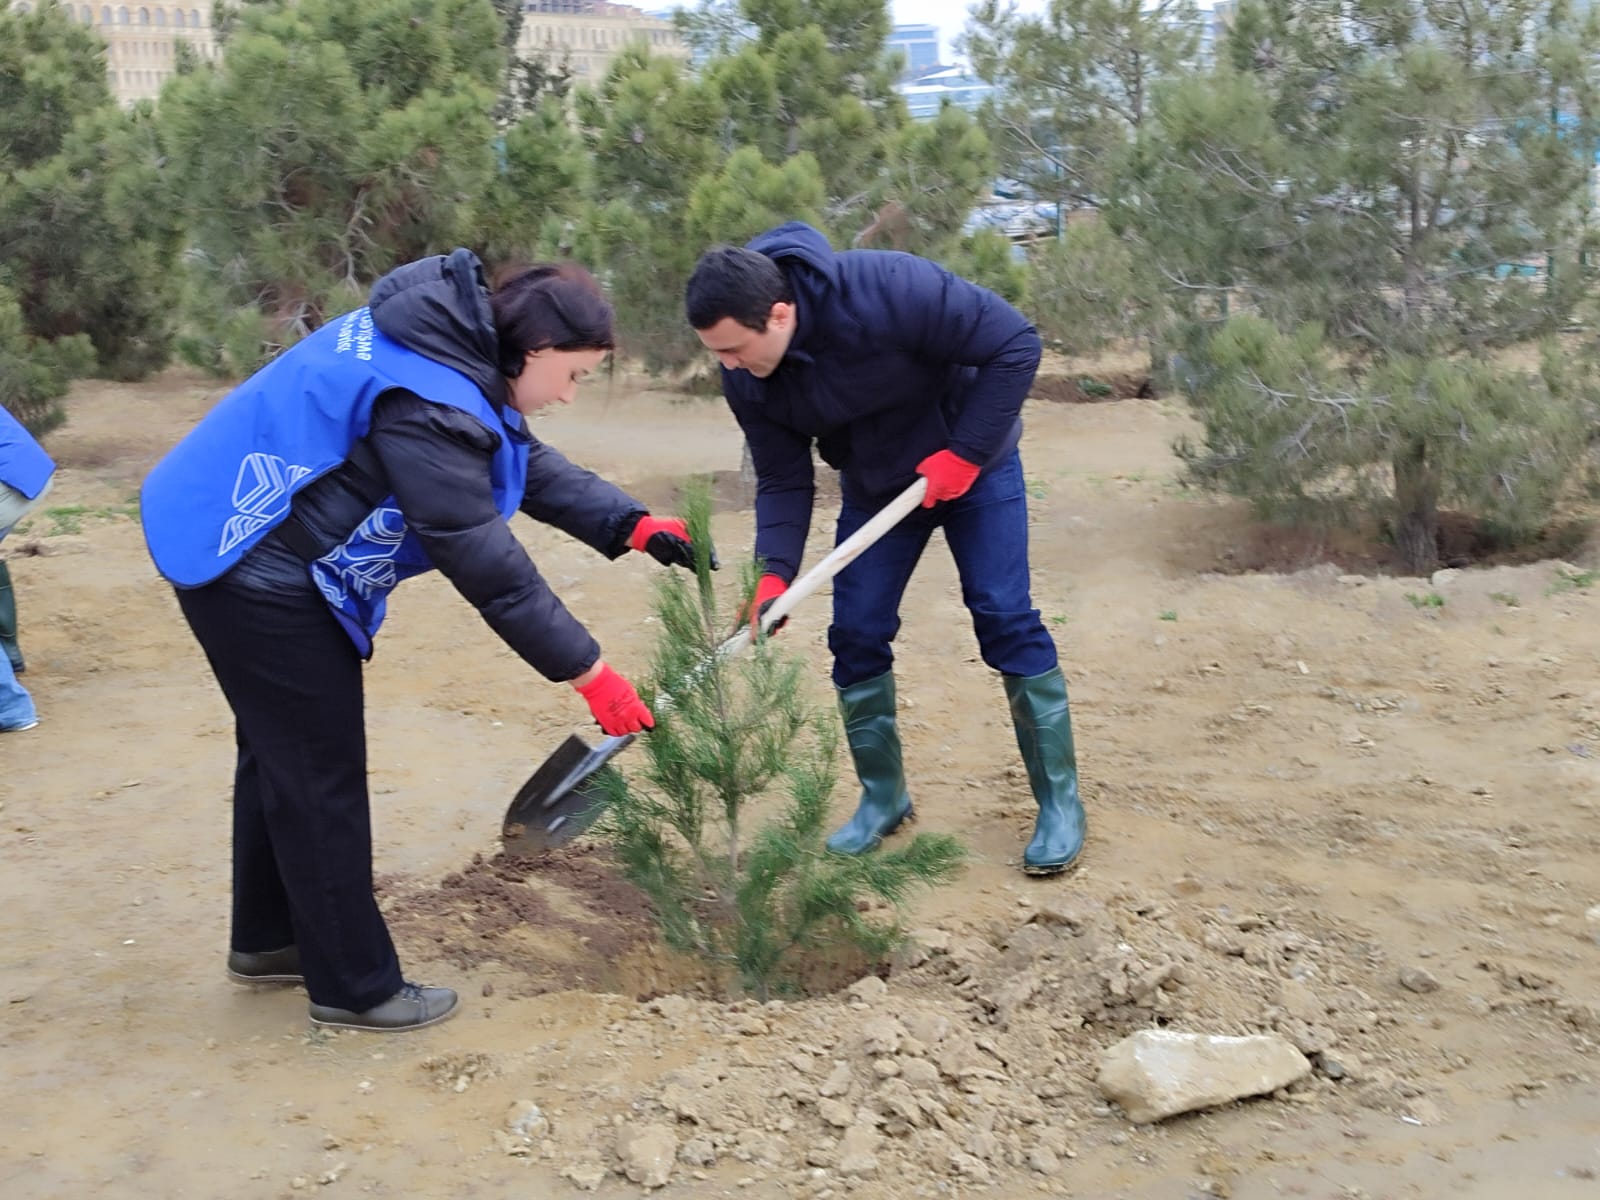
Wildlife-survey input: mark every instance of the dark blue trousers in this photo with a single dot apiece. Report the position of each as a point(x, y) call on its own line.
point(987, 531)
point(302, 832)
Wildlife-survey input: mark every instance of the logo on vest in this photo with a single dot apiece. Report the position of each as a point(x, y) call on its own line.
point(365, 564)
point(261, 490)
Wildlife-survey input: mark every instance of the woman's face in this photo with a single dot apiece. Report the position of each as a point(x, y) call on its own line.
point(550, 377)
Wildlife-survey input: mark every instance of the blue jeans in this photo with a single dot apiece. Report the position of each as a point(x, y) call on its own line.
point(987, 530)
point(16, 706)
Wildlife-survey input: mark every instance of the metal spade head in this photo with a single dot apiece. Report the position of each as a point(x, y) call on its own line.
point(561, 799)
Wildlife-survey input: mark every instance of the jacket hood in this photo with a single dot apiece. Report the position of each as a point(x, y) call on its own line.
point(439, 307)
point(796, 243)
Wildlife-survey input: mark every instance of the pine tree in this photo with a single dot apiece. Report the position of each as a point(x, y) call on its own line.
point(724, 826)
point(89, 235)
point(792, 114)
point(1075, 85)
point(1398, 192)
point(335, 140)
point(35, 374)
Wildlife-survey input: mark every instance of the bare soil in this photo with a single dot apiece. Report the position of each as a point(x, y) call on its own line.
point(1302, 787)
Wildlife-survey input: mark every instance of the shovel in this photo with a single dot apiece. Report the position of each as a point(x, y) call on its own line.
point(561, 799)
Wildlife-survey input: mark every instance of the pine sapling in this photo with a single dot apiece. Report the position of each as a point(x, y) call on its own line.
point(724, 825)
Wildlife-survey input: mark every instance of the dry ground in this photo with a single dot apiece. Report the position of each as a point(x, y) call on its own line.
point(1299, 786)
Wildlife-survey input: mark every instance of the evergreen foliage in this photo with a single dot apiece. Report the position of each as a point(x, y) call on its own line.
point(747, 894)
point(1400, 196)
point(89, 236)
point(34, 374)
point(791, 115)
point(336, 140)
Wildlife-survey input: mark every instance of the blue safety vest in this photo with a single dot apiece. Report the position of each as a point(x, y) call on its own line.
point(23, 463)
point(229, 483)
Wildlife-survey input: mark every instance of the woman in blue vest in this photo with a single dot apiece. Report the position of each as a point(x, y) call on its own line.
point(25, 475)
point(390, 442)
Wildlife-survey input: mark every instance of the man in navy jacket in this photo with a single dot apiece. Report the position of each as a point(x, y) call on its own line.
point(893, 367)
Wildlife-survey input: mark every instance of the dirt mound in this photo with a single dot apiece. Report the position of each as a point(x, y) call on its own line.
point(1463, 541)
point(1090, 389)
point(559, 920)
point(975, 1062)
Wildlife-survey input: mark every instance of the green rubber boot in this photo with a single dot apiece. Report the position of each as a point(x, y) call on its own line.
point(869, 726)
point(1044, 735)
point(8, 619)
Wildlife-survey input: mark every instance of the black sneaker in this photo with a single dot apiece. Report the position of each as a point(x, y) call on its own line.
point(411, 1007)
point(266, 966)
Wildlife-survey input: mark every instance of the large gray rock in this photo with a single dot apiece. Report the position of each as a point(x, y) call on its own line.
point(1158, 1073)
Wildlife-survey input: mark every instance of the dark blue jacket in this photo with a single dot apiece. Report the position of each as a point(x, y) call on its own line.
point(893, 359)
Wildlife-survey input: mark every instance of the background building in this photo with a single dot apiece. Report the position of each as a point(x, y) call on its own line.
point(142, 40)
point(926, 95)
point(920, 45)
point(589, 34)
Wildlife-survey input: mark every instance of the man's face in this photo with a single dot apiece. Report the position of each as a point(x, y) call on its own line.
point(740, 348)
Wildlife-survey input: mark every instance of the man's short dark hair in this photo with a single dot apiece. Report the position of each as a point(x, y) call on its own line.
point(730, 281)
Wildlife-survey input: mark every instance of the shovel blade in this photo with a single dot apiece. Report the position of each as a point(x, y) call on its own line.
point(561, 799)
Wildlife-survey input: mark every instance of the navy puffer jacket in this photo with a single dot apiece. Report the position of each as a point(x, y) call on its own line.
point(435, 460)
point(893, 358)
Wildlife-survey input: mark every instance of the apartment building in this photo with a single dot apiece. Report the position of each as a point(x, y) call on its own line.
point(142, 40)
point(589, 34)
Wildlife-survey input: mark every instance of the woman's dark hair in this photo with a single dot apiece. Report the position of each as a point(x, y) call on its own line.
point(550, 306)
point(730, 281)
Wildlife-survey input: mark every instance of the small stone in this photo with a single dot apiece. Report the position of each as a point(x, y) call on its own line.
point(1186, 885)
point(585, 1176)
point(647, 1153)
point(1415, 979)
point(927, 1028)
point(935, 941)
point(885, 1068)
point(1043, 1161)
point(697, 1152)
point(821, 1157)
point(1066, 911)
point(836, 1113)
point(525, 1119)
point(1300, 1002)
point(332, 1174)
point(838, 1081)
point(868, 990)
point(488, 990)
point(857, 1150)
point(882, 1035)
point(971, 1167)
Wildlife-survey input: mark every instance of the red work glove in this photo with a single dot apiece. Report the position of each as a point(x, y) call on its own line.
point(666, 539)
point(768, 589)
point(615, 704)
point(948, 475)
